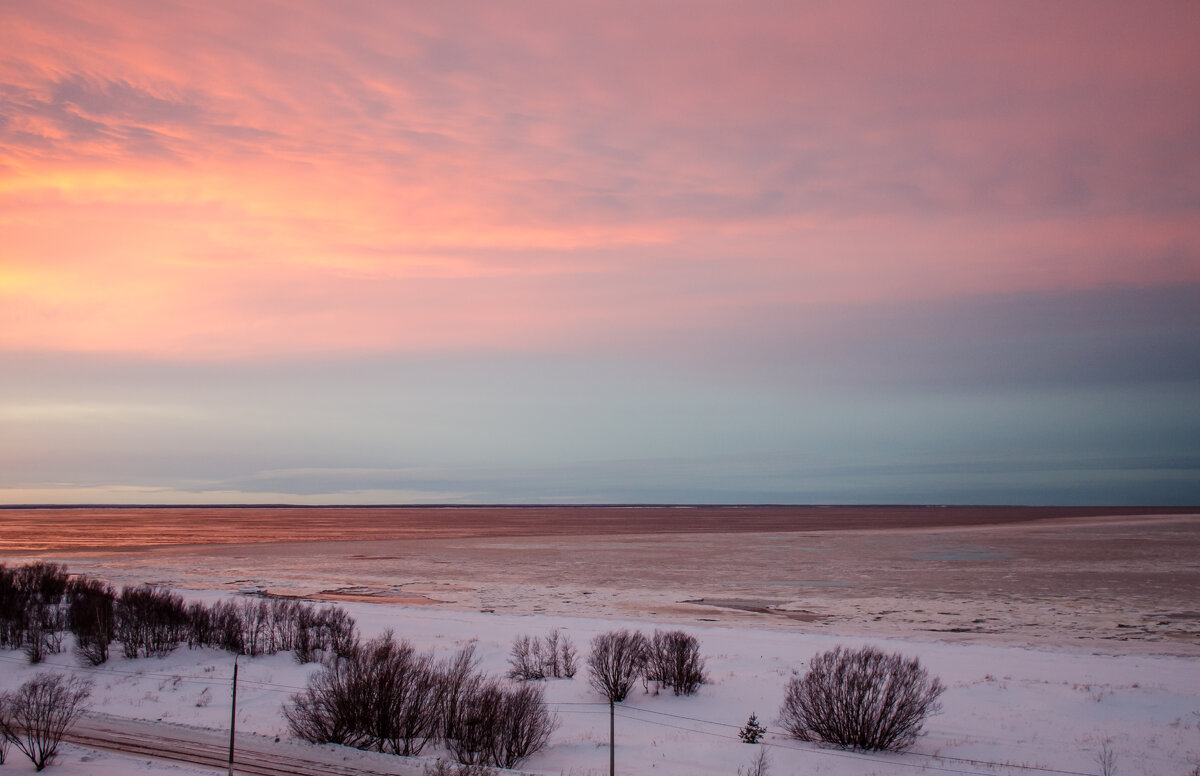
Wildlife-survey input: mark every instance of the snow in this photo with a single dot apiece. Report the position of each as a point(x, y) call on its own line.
point(1038, 708)
point(77, 761)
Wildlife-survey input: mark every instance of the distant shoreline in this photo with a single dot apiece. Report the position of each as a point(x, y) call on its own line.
point(1107, 508)
point(83, 528)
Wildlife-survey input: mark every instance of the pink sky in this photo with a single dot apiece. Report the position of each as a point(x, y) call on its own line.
point(312, 177)
point(600, 251)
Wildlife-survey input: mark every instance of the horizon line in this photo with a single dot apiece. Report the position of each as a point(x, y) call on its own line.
point(597, 505)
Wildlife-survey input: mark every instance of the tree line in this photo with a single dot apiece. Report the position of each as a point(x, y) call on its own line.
point(40, 603)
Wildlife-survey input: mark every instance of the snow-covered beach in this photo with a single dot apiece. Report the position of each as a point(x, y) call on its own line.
point(1050, 709)
point(1047, 680)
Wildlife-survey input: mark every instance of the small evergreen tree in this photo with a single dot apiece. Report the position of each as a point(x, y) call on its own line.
point(752, 732)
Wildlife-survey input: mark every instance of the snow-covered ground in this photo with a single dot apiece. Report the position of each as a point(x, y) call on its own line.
point(1034, 708)
point(77, 761)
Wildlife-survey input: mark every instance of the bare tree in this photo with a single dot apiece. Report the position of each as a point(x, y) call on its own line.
point(525, 725)
point(540, 658)
point(39, 712)
point(32, 612)
point(150, 621)
point(500, 725)
point(404, 713)
point(568, 658)
point(617, 660)
point(459, 675)
point(525, 658)
point(333, 709)
point(306, 643)
point(92, 617)
point(4, 741)
point(673, 659)
point(385, 696)
point(339, 636)
point(862, 699)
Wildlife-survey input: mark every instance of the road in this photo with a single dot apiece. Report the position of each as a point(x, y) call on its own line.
point(254, 754)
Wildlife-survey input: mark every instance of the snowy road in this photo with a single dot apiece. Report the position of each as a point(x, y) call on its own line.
point(254, 754)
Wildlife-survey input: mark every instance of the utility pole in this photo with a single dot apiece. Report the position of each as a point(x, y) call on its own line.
point(233, 712)
point(612, 738)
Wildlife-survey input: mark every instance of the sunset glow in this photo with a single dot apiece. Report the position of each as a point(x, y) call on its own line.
point(616, 225)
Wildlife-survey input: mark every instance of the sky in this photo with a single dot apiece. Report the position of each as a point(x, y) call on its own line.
point(600, 252)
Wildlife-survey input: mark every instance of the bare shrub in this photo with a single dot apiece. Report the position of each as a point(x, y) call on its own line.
point(384, 697)
point(1106, 758)
point(759, 766)
point(332, 709)
point(673, 659)
point(202, 627)
point(306, 642)
point(37, 714)
point(387, 697)
point(443, 768)
point(32, 612)
point(458, 676)
point(525, 658)
point(12, 609)
point(338, 634)
point(260, 626)
point(4, 741)
point(861, 699)
point(405, 709)
point(540, 658)
point(501, 726)
point(616, 661)
point(91, 616)
point(43, 581)
point(36, 645)
point(568, 658)
point(150, 621)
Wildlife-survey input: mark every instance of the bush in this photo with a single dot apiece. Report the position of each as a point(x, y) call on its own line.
point(617, 660)
point(759, 766)
point(32, 615)
point(498, 725)
point(39, 603)
point(259, 626)
point(387, 697)
point(91, 615)
point(537, 658)
point(405, 713)
point(673, 659)
point(384, 697)
point(443, 768)
point(36, 715)
point(458, 676)
point(861, 699)
point(150, 621)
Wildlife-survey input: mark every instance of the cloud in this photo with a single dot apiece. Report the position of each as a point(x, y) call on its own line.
point(769, 205)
